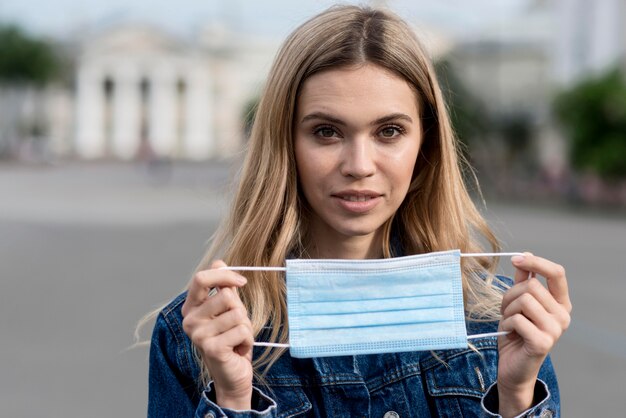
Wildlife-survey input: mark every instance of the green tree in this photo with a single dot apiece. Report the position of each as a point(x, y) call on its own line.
point(593, 114)
point(25, 59)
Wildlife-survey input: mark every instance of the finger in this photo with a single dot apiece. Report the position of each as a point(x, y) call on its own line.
point(538, 342)
point(535, 288)
point(239, 337)
point(530, 307)
point(199, 328)
point(554, 274)
point(231, 319)
point(520, 273)
point(203, 281)
point(223, 301)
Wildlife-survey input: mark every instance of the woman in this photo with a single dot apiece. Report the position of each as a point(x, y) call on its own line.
point(352, 156)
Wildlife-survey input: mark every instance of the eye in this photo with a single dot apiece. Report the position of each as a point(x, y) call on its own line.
point(325, 132)
point(391, 131)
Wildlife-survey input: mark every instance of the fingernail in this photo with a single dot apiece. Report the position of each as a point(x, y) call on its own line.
point(517, 259)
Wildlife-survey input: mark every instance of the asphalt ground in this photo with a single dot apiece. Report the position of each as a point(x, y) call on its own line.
point(87, 249)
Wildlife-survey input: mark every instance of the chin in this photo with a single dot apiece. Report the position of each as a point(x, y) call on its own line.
point(356, 230)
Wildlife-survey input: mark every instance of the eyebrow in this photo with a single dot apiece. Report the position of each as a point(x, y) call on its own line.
point(333, 119)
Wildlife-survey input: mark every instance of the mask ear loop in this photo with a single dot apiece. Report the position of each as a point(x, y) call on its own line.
point(469, 337)
point(490, 254)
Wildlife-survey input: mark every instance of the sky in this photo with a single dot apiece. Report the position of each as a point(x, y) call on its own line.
point(276, 18)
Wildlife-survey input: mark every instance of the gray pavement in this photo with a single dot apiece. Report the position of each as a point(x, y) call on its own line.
point(87, 249)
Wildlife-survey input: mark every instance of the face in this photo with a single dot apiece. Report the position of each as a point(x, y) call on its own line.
point(357, 136)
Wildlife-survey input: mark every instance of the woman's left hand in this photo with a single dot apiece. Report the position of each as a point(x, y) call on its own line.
point(536, 317)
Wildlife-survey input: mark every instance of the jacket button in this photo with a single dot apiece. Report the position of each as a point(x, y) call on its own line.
point(391, 414)
point(209, 415)
point(546, 414)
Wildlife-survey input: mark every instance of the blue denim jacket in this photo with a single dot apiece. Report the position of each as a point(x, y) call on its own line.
point(459, 383)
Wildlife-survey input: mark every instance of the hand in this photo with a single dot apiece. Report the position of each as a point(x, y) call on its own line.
point(219, 327)
point(536, 316)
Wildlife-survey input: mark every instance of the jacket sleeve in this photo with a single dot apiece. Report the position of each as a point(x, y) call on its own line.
point(546, 402)
point(174, 391)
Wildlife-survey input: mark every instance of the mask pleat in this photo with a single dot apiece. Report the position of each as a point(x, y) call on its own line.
point(391, 333)
point(371, 285)
point(374, 305)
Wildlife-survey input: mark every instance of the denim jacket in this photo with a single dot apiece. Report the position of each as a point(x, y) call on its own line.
point(449, 383)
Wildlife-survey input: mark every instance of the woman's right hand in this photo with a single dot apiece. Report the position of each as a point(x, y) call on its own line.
point(219, 327)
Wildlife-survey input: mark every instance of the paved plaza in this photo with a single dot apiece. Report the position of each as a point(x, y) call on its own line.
point(87, 249)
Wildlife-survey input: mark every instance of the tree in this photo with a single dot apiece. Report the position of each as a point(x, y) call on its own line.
point(593, 114)
point(25, 59)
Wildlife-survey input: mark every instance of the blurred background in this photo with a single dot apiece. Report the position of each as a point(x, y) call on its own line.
point(121, 131)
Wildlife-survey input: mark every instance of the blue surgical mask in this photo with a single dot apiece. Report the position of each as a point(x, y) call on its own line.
point(341, 307)
point(349, 307)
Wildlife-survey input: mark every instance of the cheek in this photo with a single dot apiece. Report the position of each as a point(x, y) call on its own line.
point(312, 165)
point(403, 167)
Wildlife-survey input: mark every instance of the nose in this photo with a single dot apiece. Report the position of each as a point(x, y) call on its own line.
point(358, 159)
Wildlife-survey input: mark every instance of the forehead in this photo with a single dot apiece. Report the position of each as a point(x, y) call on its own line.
point(368, 87)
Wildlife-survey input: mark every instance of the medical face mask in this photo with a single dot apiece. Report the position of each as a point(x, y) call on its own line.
point(349, 307)
point(336, 307)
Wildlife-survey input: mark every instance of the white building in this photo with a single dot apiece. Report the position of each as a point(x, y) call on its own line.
point(140, 91)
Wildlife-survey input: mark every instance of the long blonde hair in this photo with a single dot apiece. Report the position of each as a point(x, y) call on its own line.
point(268, 220)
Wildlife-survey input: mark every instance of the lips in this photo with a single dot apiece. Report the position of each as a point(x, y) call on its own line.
point(357, 201)
point(356, 198)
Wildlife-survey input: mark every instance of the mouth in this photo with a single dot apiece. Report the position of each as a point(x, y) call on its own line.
point(357, 196)
point(357, 201)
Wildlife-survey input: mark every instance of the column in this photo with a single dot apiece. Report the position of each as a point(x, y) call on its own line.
point(198, 141)
point(162, 111)
point(89, 140)
point(126, 112)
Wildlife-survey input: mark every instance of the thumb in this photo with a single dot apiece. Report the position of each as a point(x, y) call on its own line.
point(521, 275)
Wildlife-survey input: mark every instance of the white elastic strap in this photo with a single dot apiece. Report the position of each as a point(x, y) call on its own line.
point(490, 254)
point(279, 345)
point(248, 268)
point(488, 334)
point(469, 337)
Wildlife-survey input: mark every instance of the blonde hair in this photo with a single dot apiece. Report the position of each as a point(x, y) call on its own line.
point(269, 217)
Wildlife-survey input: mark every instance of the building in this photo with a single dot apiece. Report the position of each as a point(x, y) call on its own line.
point(141, 92)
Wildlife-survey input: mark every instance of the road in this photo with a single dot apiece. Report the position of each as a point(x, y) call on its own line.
point(87, 249)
